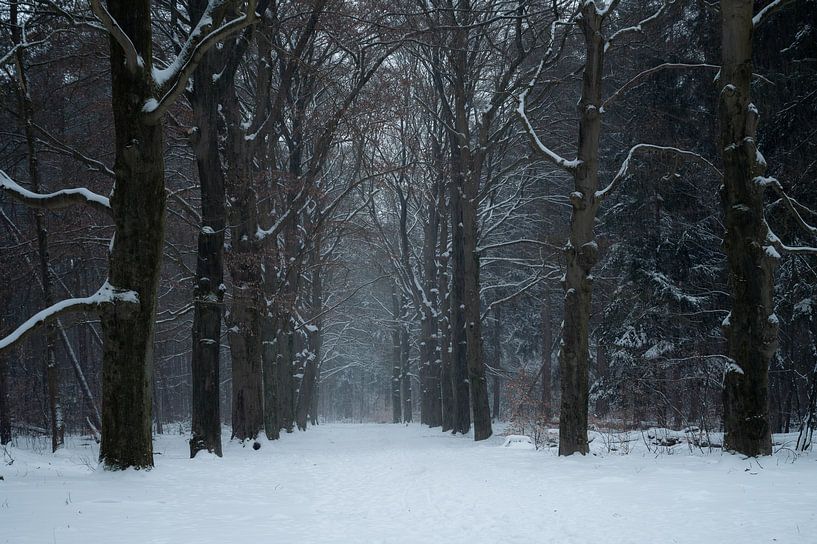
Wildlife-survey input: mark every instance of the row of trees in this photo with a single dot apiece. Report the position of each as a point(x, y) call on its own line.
point(377, 212)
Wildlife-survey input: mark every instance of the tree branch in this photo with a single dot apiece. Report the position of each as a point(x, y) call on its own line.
point(132, 59)
point(790, 203)
point(106, 294)
point(56, 200)
point(171, 80)
point(766, 12)
point(635, 28)
point(625, 166)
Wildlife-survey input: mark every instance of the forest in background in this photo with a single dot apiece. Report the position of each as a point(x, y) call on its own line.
point(361, 211)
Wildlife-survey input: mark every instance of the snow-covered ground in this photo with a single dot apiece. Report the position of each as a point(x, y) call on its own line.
point(391, 483)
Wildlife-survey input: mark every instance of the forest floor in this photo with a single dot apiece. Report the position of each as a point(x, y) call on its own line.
point(371, 483)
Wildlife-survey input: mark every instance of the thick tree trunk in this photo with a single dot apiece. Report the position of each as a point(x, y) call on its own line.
point(272, 425)
point(138, 205)
point(208, 293)
point(581, 252)
point(751, 329)
point(244, 263)
point(245, 346)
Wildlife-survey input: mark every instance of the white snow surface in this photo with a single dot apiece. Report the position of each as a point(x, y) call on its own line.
point(380, 483)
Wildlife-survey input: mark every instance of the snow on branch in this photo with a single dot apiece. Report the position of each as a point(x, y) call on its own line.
point(537, 145)
point(793, 206)
point(132, 58)
point(625, 166)
point(639, 27)
point(107, 294)
point(776, 246)
point(9, 55)
point(172, 79)
point(764, 14)
point(56, 200)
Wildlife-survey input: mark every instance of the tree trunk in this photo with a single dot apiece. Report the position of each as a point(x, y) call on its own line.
point(314, 331)
point(498, 361)
point(405, 376)
point(244, 263)
point(27, 120)
point(208, 293)
point(396, 403)
point(269, 331)
point(751, 329)
point(480, 406)
point(286, 302)
point(581, 252)
point(138, 205)
point(430, 309)
point(448, 406)
point(547, 363)
point(459, 348)
point(316, 393)
point(5, 408)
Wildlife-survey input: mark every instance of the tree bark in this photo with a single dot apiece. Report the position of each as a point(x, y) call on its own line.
point(459, 361)
point(477, 382)
point(498, 361)
point(547, 362)
point(405, 376)
point(314, 333)
point(244, 263)
point(208, 293)
point(581, 252)
point(751, 329)
point(429, 326)
point(138, 205)
point(397, 406)
point(447, 403)
point(5, 408)
point(27, 121)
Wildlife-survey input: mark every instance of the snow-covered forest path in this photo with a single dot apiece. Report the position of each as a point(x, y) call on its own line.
point(391, 483)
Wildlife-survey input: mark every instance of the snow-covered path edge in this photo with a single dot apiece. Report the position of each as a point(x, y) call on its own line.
point(392, 483)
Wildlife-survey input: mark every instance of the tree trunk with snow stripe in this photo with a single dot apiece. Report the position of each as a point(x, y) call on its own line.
point(751, 329)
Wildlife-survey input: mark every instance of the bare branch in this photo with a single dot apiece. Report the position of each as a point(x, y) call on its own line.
point(793, 206)
point(667, 65)
point(625, 166)
point(637, 28)
point(766, 12)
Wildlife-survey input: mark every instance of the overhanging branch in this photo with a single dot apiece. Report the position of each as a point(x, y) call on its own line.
point(56, 200)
